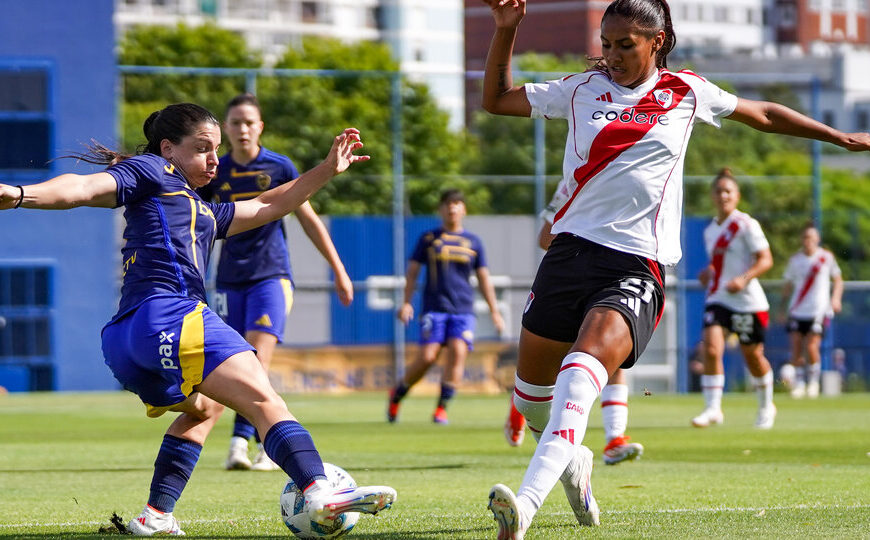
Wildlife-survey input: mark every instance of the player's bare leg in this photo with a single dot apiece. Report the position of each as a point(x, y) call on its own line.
point(713, 379)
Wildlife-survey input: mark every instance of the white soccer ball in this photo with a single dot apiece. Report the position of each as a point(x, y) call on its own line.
point(787, 375)
point(297, 520)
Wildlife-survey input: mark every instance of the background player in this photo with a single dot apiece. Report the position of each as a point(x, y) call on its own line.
point(450, 254)
point(598, 293)
point(165, 344)
point(614, 397)
point(811, 301)
point(254, 282)
point(739, 254)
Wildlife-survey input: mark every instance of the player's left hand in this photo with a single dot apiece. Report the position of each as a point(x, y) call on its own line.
point(344, 289)
point(836, 305)
point(498, 322)
point(856, 142)
point(736, 285)
point(341, 155)
point(9, 196)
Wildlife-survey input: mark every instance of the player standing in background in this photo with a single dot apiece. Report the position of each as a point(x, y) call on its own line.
point(598, 293)
point(254, 282)
point(614, 396)
point(735, 302)
point(165, 344)
point(811, 302)
point(450, 254)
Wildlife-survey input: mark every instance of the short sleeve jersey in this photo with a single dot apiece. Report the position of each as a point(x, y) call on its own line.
point(810, 276)
point(449, 257)
point(560, 197)
point(169, 234)
point(624, 154)
point(731, 246)
point(260, 253)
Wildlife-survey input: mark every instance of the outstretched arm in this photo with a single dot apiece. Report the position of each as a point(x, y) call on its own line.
point(500, 96)
point(62, 192)
point(316, 231)
point(280, 201)
point(775, 118)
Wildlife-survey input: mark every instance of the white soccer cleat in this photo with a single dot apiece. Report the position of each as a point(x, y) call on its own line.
point(512, 523)
point(766, 416)
point(326, 506)
point(619, 450)
point(813, 390)
point(799, 391)
point(262, 462)
point(237, 460)
point(151, 522)
point(577, 481)
point(708, 417)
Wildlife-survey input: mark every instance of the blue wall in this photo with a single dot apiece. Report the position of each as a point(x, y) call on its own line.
point(76, 41)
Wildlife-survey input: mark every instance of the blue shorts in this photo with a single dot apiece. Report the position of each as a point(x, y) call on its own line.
point(165, 347)
point(263, 306)
point(437, 327)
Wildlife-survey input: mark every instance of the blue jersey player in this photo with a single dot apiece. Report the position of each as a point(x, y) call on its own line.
point(450, 254)
point(164, 343)
point(254, 289)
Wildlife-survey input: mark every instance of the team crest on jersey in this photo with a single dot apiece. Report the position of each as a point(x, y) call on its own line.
point(263, 181)
point(664, 97)
point(529, 302)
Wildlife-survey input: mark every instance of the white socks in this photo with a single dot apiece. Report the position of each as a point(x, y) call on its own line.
point(764, 389)
point(614, 410)
point(533, 402)
point(578, 384)
point(814, 373)
point(711, 387)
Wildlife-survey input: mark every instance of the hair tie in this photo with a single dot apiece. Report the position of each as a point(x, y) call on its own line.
point(20, 198)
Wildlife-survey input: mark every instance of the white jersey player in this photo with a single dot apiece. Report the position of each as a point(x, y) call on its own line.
point(814, 289)
point(735, 302)
point(598, 293)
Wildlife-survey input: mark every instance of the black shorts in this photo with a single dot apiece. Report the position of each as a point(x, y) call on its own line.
point(577, 275)
point(805, 327)
point(750, 327)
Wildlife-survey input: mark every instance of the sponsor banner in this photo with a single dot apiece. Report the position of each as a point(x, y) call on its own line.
point(489, 369)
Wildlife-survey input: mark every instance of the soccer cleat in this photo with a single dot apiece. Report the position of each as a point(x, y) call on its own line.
point(262, 462)
point(766, 416)
point(515, 428)
point(238, 460)
point(577, 481)
point(813, 389)
point(619, 449)
point(440, 416)
point(503, 505)
point(392, 407)
point(151, 522)
point(799, 391)
point(325, 507)
point(708, 417)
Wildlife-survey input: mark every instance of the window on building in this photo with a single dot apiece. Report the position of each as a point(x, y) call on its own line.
point(862, 121)
point(208, 7)
point(310, 12)
point(815, 5)
point(25, 119)
point(375, 18)
point(720, 13)
point(838, 5)
point(787, 16)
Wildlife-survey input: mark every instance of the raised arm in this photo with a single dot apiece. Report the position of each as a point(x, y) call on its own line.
point(62, 192)
point(775, 118)
point(280, 201)
point(500, 96)
point(316, 231)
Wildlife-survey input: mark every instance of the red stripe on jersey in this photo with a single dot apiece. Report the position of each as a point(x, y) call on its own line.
point(583, 367)
point(618, 136)
point(656, 272)
point(810, 279)
point(522, 395)
point(719, 250)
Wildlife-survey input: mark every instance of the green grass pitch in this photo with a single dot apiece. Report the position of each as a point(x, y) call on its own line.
point(67, 461)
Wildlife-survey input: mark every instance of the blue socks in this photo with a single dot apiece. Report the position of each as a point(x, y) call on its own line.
point(172, 469)
point(447, 391)
point(242, 428)
point(291, 447)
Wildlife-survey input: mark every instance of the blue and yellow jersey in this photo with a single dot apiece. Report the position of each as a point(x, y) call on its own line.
point(260, 253)
point(169, 234)
point(450, 258)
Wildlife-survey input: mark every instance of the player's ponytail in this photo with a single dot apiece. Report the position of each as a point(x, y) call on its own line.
point(724, 174)
point(174, 122)
point(651, 17)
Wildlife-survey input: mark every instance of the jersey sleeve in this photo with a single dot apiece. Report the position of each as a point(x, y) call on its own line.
point(137, 177)
point(755, 239)
point(223, 216)
point(835, 268)
point(290, 171)
point(560, 197)
point(551, 99)
point(712, 103)
point(419, 253)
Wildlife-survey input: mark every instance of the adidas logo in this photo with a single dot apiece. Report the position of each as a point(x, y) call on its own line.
point(264, 321)
point(567, 434)
point(605, 97)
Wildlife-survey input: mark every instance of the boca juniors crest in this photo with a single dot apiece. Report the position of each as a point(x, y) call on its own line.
point(264, 181)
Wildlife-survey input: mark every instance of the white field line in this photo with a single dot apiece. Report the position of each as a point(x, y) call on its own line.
point(707, 510)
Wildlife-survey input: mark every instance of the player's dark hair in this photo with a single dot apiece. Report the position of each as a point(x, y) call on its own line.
point(451, 195)
point(174, 122)
point(243, 99)
point(724, 174)
point(650, 17)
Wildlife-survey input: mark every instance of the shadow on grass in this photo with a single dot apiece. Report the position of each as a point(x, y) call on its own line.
point(101, 470)
point(411, 467)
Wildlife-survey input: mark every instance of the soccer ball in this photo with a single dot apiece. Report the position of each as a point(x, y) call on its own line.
point(787, 375)
point(296, 517)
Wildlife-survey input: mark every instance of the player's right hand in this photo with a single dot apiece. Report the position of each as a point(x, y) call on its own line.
point(507, 13)
point(9, 196)
point(406, 313)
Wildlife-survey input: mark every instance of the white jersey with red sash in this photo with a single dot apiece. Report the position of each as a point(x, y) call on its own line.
point(624, 155)
point(811, 276)
point(731, 246)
